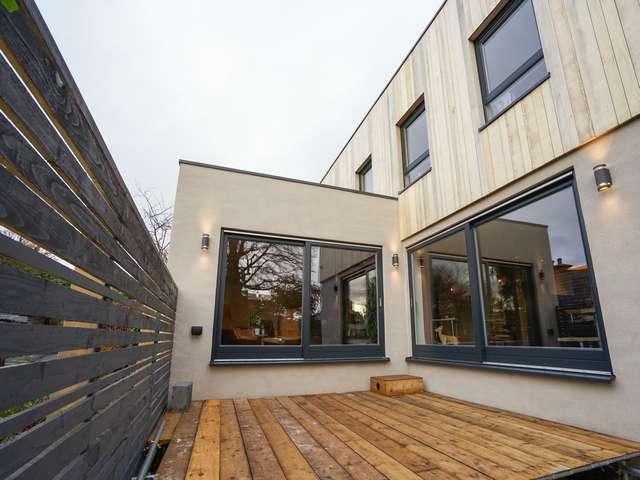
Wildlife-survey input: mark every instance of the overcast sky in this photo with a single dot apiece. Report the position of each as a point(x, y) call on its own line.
point(271, 86)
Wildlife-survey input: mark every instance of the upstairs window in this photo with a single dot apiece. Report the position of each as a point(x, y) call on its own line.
point(415, 146)
point(365, 177)
point(510, 59)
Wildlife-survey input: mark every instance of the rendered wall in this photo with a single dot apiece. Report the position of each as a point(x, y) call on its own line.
point(612, 221)
point(209, 199)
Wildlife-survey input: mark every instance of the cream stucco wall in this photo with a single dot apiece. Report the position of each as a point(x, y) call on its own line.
point(208, 200)
point(612, 221)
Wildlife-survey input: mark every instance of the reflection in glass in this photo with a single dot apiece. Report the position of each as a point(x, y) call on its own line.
point(511, 59)
point(344, 300)
point(366, 178)
point(415, 146)
point(510, 46)
point(262, 293)
point(416, 138)
point(536, 284)
point(441, 294)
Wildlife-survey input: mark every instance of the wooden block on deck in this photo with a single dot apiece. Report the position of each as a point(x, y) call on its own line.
point(391, 385)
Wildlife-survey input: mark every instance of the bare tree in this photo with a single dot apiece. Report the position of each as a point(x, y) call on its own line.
point(158, 218)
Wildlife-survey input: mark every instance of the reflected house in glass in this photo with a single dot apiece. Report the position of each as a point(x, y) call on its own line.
point(344, 299)
point(458, 227)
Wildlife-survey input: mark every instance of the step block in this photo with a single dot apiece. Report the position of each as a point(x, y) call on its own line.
point(391, 385)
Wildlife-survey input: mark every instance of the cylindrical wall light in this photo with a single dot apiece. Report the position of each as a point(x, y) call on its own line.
point(204, 243)
point(395, 260)
point(602, 176)
point(421, 262)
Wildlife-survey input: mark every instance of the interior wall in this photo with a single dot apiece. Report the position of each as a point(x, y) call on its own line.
point(208, 200)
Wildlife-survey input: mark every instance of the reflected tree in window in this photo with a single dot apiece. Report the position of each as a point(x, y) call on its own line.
point(262, 293)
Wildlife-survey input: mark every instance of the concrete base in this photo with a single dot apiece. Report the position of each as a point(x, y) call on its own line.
point(180, 399)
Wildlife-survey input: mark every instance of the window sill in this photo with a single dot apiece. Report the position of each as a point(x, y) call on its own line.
point(604, 377)
point(513, 104)
point(415, 181)
point(225, 362)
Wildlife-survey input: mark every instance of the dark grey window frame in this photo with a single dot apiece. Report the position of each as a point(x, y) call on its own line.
point(305, 352)
point(362, 171)
point(488, 96)
point(590, 364)
point(407, 168)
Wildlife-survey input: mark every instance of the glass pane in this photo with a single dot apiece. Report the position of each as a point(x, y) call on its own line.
point(510, 46)
point(344, 298)
point(418, 170)
point(532, 77)
point(416, 138)
point(441, 293)
point(366, 179)
point(536, 284)
point(262, 293)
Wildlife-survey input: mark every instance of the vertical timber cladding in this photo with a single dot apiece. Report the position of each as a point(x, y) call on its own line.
point(592, 53)
point(86, 303)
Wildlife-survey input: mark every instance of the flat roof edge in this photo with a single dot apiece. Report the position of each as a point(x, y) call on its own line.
point(283, 179)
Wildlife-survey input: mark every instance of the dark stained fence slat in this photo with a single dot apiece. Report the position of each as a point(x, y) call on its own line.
point(25, 212)
point(25, 382)
point(39, 130)
point(116, 466)
point(57, 88)
point(25, 294)
point(35, 170)
point(28, 445)
point(16, 340)
point(17, 422)
point(61, 189)
point(22, 253)
point(105, 468)
point(72, 444)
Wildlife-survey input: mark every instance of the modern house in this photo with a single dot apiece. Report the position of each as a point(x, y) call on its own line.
point(462, 234)
point(478, 231)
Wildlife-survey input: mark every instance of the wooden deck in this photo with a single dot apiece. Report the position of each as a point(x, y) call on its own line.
point(369, 436)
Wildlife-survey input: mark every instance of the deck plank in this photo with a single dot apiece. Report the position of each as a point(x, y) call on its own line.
point(508, 452)
point(384, 463)
point(367, 436)
point(354, 464)
point(176, 459)
point(606, 442)
point(205, 455)
point(171, 422)
point(291, 460)
point(473, 468)
point(234, 464)
point(262, 460)
point(384, 422)
point(323, 464)
point(546, 437)
point(422, 466)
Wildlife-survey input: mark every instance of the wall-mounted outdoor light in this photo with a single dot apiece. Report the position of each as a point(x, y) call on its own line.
point(395, 260)
point(602, 176)
point(204, 243)
point(421, 262)
point(196, 331)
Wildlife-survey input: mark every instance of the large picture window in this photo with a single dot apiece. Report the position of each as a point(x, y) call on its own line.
point(296, 300)
point(510, 58)
point(514, 287)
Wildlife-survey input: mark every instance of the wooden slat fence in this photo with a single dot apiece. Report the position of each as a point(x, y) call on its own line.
point(87, 304)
